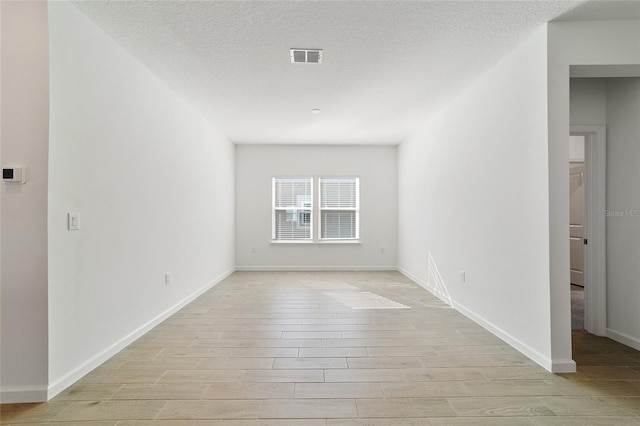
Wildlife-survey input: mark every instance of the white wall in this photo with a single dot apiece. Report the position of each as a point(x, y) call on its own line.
point(623, 201)
point(25, 137)
point(376, 166)
point(576, 149)
point(588, 101)
point(573, 43)
point(153, 183)
point(473, 195)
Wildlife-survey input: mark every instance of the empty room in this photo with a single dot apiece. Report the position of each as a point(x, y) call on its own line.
point(320, 213)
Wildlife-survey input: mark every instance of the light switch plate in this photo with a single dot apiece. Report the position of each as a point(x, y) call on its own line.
point(73, 221)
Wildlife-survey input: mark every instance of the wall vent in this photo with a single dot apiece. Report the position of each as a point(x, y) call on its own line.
point(306, 56)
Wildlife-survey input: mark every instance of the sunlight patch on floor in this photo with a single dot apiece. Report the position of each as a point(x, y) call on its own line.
point(327, 285)
point(364, 300)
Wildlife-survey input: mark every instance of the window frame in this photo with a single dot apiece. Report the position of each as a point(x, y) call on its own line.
point(315, 211)
point(355, 210)
point(298, 210)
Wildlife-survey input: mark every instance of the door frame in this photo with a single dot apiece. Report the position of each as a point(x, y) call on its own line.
point(595, 265)
point(577, 168)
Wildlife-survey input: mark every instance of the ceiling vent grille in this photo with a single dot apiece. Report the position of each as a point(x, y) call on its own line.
point(306, 56)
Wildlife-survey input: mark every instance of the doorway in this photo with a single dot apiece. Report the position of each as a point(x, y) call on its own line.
point(588, 238)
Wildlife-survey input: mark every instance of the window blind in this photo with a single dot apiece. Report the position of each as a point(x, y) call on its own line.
point(292, 208)
point(339, 208)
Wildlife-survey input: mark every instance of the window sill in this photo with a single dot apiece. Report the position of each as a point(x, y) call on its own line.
point(339, 242)
point(321, 242)
point(277, 242)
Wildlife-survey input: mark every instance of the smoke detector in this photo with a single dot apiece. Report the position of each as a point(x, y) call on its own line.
point(306, 56)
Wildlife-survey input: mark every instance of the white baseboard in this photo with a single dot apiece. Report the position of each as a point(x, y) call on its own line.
point(623, 338)
point(22, 394)
point(313, 268)
point(563, 366)
point(415, 279)
point(67, 380)
point(554, 366)
point(547, 363)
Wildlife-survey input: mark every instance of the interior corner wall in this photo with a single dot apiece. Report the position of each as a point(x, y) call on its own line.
point(573, 43)
point(473, 197)
point(153, 183)
point(376, 166)
point(25, 138)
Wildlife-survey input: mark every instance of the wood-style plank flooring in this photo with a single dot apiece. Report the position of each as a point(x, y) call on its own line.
point(338, 349)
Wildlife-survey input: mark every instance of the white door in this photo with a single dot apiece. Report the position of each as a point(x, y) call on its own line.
point(576, 222)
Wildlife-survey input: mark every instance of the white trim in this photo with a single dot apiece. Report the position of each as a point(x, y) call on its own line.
point(623, 338)
point(320, 242)
point(595, 273)
point(278, 242)
point(314, 268)
point(554, 366)
point(274, 208)
point(71, 377)
point(545, 362)
point(23, 394)
point(355, 209)
point(337, 241)
point(563, 366)
point(414, 278)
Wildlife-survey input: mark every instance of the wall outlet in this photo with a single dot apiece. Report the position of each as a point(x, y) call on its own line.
point(253, 250)
point(14, 174)
point(463, 276)
point(167, 278)
point(382, 250)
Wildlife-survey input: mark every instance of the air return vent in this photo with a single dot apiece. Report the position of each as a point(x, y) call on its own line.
point(306, 56)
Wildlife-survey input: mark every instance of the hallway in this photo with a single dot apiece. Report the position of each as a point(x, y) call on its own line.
point(338, 348)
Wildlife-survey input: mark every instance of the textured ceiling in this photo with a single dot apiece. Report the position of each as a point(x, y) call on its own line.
point(386, 64)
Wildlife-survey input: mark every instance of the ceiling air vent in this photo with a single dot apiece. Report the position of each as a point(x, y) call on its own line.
point(306, 56)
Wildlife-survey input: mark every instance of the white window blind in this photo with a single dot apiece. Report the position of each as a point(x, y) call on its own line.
point(339, 208)
point(292, 209)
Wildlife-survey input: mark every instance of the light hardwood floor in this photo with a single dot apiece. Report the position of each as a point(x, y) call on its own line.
point(337, 349)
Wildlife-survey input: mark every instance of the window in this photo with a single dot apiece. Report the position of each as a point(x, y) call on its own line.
point(294, 213)
point(339, 208)
point(292, 209)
